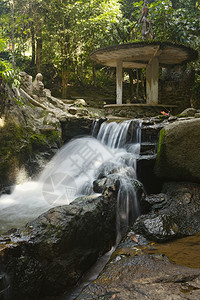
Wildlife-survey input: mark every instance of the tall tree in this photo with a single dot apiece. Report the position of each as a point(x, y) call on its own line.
point(77, 27)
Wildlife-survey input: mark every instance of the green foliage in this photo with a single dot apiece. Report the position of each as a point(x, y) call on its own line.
point(12, 77)
point(4, 66)
point(9, 75)
point(40, 140)
point(68, 31)
point(178, 25)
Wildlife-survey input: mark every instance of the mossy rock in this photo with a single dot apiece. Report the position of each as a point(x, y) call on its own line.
point(19, 145)
point(13, 146)
point(179, 151)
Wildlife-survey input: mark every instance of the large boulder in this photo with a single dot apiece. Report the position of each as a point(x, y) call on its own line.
point(76, 127)
point(51, 253)
point(33, 126)
point(173, 213)
point(178, 155)
point(138, 276)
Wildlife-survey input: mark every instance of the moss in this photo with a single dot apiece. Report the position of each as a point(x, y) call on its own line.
point(18, 144)
point(182, 116)
point(52, 230)
point(53, 137)
point(37, 139)
point(13, 144)
point(46, 139)
point(161, 150)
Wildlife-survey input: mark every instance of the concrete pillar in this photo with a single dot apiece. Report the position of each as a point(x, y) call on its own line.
point(119, 82)
point(152, 72)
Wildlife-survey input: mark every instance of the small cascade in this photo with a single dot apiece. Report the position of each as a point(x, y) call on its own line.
point(125, 138)
point(113, 134)
point(128, 206)
point(95, 127)
point(124, 141)
point(73, 170)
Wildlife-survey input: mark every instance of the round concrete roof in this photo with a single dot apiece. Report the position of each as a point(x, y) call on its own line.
point(139, 54)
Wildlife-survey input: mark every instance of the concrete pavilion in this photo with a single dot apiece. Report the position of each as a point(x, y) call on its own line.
point(147, 54)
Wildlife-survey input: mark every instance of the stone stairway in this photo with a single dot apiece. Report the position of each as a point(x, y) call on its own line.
point(148, 150)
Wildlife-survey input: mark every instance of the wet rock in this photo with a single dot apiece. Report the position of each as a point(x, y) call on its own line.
point(72, 110)
point(178, 153)
point(114, 181)
point(173, 213)
point(172, 119)
point(79, 111)
point(145, 173)
point(83, 112)
point(150, 133)
point(36, 129)
point(148, 148)
point(30, 135)
point(75, 126)
point(80, 102)
point(53, 251)
point(101, 184)
point(155, 200)
point(131, 274)
point(106, 169)
point(127, 190)
point(189, 112)
point(158, 228)
point(197, 115)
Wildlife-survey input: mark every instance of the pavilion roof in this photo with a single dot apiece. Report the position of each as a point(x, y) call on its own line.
point(139, 54)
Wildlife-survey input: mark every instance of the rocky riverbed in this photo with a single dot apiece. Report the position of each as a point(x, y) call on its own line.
point(139, 270)
point(50, 254)
point(150, 263)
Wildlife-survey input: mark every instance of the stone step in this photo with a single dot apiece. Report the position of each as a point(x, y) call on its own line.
point(150, 134)
point(148, 148)
point(145, 174)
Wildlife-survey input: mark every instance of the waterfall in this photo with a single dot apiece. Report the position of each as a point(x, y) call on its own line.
point(125, 136)
point(73, 170)
point(113, 134)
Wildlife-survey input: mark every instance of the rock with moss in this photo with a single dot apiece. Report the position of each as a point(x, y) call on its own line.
point(35, 126)
point(26, 143)
point(179, 151)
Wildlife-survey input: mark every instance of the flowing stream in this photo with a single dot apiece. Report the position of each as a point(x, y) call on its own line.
point(72, 171)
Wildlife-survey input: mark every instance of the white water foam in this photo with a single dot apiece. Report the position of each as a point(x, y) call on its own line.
point(71, 174)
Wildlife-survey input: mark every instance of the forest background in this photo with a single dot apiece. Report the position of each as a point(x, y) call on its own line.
point(56, 37)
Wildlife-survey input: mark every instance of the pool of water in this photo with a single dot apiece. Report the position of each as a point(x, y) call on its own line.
point(184, 251)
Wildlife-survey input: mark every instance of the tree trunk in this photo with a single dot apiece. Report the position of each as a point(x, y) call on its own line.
point(64, 81)
point(81, 74)
point(13, 33)
point(174, 3)
point(39, 55)
point(33, 45)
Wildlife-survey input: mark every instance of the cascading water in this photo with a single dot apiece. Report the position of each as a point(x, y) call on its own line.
point(71, 174)
point(126, 136)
